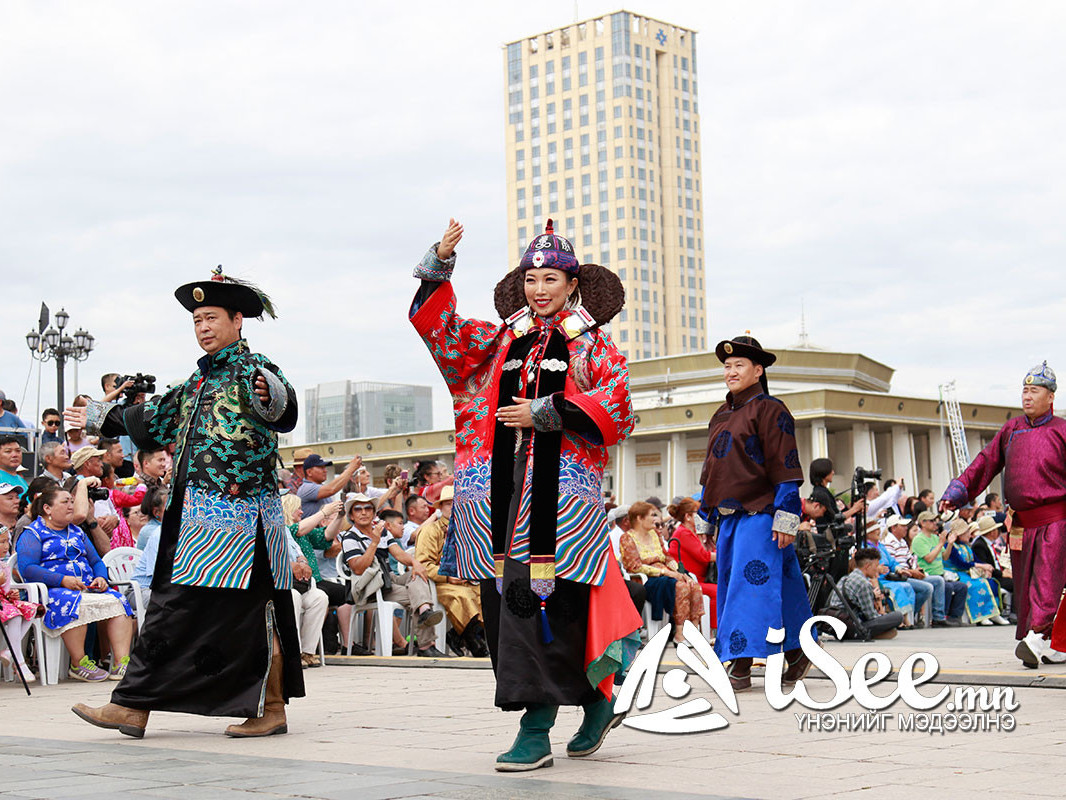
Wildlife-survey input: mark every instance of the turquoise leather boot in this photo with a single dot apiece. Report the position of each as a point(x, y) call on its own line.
point(598, 722)
point(531, 748)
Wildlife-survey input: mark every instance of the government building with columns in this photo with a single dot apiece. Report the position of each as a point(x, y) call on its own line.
point(843, 405)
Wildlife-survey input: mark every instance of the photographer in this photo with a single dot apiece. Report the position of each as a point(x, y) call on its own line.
point(104, 517)
point(858, 588)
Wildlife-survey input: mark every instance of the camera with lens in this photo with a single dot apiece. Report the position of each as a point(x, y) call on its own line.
point(141, 384)
point(860, 479)
point(98, 493)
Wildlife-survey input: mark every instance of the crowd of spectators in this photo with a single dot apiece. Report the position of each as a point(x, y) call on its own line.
point(909, 565)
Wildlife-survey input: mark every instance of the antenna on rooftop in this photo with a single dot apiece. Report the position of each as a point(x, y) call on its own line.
point(804, 340)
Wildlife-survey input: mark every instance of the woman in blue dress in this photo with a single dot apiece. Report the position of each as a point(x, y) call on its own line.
point(982, 604)
point(55, 552)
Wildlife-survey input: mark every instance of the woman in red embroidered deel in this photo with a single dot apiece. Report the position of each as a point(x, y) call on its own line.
point(538, 399)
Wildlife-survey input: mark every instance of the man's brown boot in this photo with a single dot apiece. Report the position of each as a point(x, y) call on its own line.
point(130, 721)
point(273, 720)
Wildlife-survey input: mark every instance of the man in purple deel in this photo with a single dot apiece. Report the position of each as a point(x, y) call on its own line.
point(1030, 450)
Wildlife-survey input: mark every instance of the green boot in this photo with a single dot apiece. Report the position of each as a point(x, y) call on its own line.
point(598, 722)
point(531, 748)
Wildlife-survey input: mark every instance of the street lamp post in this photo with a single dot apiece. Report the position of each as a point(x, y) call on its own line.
point(56, 345)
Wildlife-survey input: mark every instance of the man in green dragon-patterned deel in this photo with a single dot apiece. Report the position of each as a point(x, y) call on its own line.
point(219, 637)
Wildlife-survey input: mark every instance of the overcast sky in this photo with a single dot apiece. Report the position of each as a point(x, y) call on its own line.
point(899, 165)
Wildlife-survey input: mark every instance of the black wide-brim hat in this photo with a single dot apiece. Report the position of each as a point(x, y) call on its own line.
point(223, 292)
point(744, 347)
point(602, 293)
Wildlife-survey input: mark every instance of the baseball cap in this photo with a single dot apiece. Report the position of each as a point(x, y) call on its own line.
point(315, 460)
point(81, 455)
point(8, 487)
point(895, 520)
point(927, 516)
point(616, 514)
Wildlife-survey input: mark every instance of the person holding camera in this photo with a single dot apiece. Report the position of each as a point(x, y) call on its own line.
point(367, 540)
point(859, 587)
point(751, 479)
point(930, 546)
point(219, 636)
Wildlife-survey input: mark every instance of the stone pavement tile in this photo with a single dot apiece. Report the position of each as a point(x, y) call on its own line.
point(93, 787)
point(26, 776)
point(346, 790)
point(202, 792)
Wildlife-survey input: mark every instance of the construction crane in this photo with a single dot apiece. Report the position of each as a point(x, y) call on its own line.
point(949, 407)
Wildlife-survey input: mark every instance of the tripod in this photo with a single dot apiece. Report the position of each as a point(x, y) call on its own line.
point(17, 663)
point(817, 570)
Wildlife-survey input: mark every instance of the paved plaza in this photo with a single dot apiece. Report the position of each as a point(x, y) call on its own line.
point(383, 728)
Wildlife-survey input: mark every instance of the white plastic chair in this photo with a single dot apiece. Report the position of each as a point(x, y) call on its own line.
point(382, 611)
point(35, 593)
point(120, 563)
point(441, 628)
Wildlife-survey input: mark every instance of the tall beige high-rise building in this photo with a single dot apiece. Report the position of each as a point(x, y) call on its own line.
point(603, 137)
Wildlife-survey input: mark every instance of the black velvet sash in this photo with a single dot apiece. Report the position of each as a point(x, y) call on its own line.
point(546, 345)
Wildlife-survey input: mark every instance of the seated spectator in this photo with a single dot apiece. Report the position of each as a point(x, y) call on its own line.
point(397, 493)
point(37, 485)
point(136, 519)
point(55, 461)
point(151, 466)
point(461, 599)
point(361, 483)
point(928, 545)
point(364, 542)
point(418, 510)
point(50, 420)
point(894, 579)
point(316, 536)
point(10, 461)
point(55, 552)
point(859, 588)
point(76, 438)
point(668, 590)
point(16, 615)
point(618, 522)
point(693, 552)
point(426, 474)
point(899, 564)
point(152, 506)
point(115, 457)
point(309, 602)
point(297, 477)
point(985, 551)
point(926, 501)
point(87, 463)
point(10, 420)
point(982, 599)
point(122, 498)
point(9, 510)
